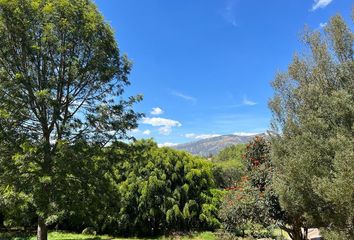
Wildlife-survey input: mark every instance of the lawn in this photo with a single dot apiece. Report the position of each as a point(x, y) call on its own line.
point(73, 236)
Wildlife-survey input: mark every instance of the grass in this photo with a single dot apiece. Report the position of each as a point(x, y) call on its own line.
point(202, 236)
point(74, 236)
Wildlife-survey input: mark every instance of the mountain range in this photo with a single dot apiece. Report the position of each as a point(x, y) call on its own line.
point(214, 145)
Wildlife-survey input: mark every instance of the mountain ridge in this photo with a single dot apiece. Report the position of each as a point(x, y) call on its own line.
point(213, 145)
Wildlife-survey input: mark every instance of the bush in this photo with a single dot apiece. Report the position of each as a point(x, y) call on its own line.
point(162, 190)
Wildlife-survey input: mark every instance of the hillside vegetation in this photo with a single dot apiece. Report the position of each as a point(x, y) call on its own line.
point(212, 146)
point(229, 165)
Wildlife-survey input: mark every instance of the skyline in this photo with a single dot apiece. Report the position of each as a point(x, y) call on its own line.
point(205, 67)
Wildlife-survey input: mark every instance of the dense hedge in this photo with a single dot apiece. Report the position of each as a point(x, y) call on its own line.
point(162, 189)
point(126, 189)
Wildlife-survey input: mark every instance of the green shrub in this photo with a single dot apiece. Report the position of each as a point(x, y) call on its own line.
point(162, 190)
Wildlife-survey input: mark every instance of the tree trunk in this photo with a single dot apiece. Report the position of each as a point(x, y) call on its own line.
point(297, 232)
point(42, 231)
point(1, 220)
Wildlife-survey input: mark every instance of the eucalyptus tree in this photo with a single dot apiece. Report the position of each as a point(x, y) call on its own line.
point(62, 79)
point(313, 111)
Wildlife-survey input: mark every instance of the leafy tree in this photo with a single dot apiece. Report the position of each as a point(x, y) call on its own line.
point(88, 195)
point(61, 81)
point(258, 163)
point(313, 110)
point(161, 190)
point(253, 201)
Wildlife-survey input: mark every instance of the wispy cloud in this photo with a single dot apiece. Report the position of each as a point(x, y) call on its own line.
point(167, 144)
point(320, 4)
point(322, 25)
point(136, 130)
point(147, 132)
point(248, 102)
point(156, 111)
point(185, 97)
point(229, 13)
point(246, 133)
point(165, 125)
point(237, 103)
point(200, 136)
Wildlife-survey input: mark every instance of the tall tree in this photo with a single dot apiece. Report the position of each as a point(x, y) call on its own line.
point(61, 80)
point(313, 110)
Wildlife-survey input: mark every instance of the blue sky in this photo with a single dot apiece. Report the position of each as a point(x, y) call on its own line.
point(205, 66)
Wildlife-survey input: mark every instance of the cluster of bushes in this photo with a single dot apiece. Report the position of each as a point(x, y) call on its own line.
point(146, 190)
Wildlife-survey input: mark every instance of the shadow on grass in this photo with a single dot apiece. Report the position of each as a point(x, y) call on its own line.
point(16, 235)
point(30, 236)
point(80, 237)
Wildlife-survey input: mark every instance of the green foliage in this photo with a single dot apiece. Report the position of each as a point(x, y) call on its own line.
point(241, 208)
point(228, 165)
point(61, 81)
point(67, 236)
point(259, 165)
point(252, 201)
point(313, 111)
point(231, 153)
point(162, 189)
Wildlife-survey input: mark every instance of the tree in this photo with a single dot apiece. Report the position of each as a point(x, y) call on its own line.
point(61, 81)
point(313, 152)
point(228, 165)
point(252, 201)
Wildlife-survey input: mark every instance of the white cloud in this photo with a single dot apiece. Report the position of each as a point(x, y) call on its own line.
point(156, 111)
point(185, 97)
point(190, 135)
point(248, 102)
point(167, 144)
point(165, 124)
point(165, 130)
point(322, 25)
point(136, 130)
point(320, 4)
point(157, 121)
point(200, 136)
point(147, 132)
point(245, 133)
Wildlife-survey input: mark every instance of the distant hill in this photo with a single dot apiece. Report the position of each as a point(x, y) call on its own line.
point(213, 145)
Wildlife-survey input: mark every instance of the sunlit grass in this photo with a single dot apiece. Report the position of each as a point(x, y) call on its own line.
point(75, 236)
